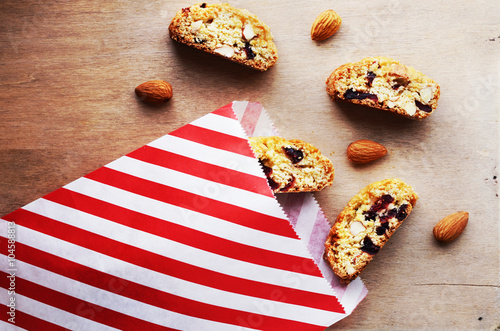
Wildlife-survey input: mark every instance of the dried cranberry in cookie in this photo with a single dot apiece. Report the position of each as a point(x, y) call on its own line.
point(356, 95)
point(370, 76)
point(365, 225)
point(292, 165)
point(295, 155)
point(384, 83)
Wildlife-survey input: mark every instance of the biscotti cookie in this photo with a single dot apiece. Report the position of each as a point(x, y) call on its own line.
point(366, 223)
point(223, 30)
point(386, 84)
point(292, 165)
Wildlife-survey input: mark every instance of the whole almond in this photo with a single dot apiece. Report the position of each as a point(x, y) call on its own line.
point(325, 25)
point(450, 227)
point(364, 151)
point(154, 91)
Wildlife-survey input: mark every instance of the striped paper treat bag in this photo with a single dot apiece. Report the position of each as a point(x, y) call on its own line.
point(181, 234)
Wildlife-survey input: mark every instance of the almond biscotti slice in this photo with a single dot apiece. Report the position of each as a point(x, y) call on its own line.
point(292, 165)
point(384, 83)
point(366, 223)
point(223, 30)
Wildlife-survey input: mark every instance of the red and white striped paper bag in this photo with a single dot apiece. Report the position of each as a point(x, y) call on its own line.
point(183, 233)
point(302, 209)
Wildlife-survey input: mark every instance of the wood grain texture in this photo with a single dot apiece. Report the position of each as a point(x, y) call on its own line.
point(67, 106)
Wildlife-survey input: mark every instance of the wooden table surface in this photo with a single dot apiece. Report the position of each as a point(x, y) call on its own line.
point(67, 106)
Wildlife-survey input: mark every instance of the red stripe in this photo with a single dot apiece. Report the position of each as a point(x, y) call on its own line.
point(81, 308)
point(133, 290)
point(178, 233)
point(173, 267)
point(28, 322)
point(214, 139)
point(198, 203)
point(226, 111)
point(203, 170)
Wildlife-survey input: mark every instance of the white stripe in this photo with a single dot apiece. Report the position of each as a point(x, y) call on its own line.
point(199, 186)
point(176, 251)
point(307, 217)
point(103, 298)
point(350, 299)
point(188, 218)
point(145, 277)
point(221, 124)
point(239, 108)
point(208, 154)
point(264, 126)
point(55, 315)
point(7, 326)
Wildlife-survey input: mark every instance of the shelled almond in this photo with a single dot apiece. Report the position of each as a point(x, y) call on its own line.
point(364, 151)
point(450, 227)
point(325, 25)
point(154, 91)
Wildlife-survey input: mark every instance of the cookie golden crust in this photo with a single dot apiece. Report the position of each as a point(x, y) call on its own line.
point(229, 32)
point(292, 165)
point(384, 83)
point(366, 223)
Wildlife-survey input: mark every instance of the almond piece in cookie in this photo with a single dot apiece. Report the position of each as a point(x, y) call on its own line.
point(366, 223)
point(292, 165)
point(232, 33)
point(384, 83)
